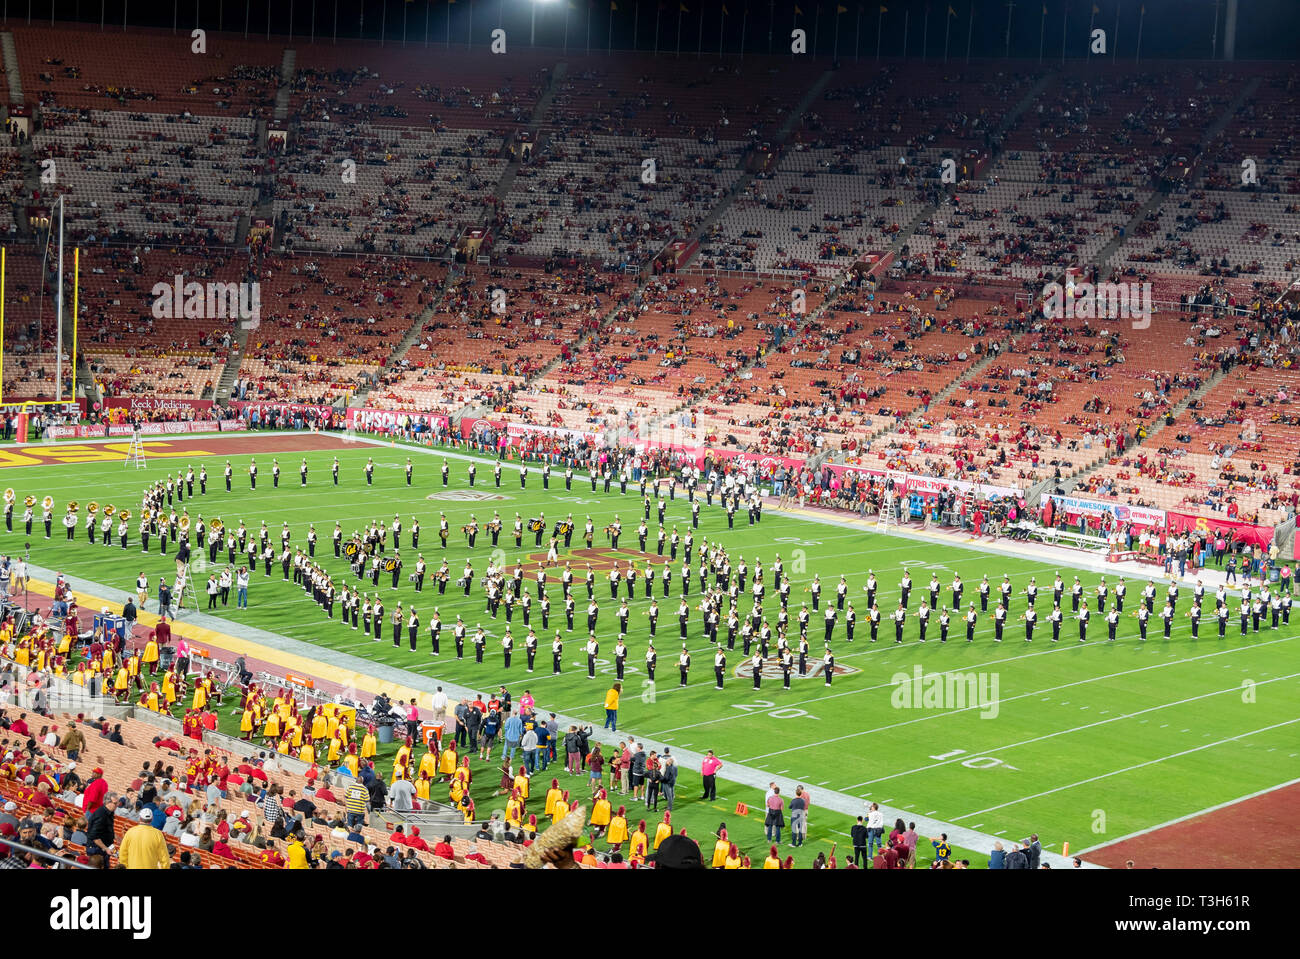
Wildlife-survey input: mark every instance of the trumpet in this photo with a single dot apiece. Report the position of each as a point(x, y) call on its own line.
point(10, 495)
point(92, 507)
point(47, 503)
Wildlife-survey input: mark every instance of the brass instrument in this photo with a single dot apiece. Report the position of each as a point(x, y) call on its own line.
point(47, 503)
point(110, 509)
point(92, 507)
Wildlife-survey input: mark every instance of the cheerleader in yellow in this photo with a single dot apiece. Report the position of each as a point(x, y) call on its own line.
point(552, 795)
point(463, 773)
point(422, 787)
point(447, 764)
point(720, 849)
point(429, 763)
point(246, 721)
point(561, 808)
point(514, 810)
point(271, 731)
point(640, 844)
point(617, 834)
point(283, 748)
point(369, 745)
point(335, 749)
point(351, 762)
point(521, 783)
point(121, 683)
point(200, 695)
point(600, 812)
point(404, 753)
point(664, 829)
point(151, 654)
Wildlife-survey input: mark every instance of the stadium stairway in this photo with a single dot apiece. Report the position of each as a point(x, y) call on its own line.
point(288, 67)
point(972, 372)
point(1158, 198)
point(230, 373)
point(1074, 480)
point(743, 181)
point(12, 73)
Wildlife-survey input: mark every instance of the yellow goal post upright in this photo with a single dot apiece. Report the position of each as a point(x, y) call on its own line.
point(59, 398)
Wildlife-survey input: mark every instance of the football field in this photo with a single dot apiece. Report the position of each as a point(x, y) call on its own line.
point(1078, 742)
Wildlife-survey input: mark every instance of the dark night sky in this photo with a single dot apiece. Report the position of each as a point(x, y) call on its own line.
point(1172, 29)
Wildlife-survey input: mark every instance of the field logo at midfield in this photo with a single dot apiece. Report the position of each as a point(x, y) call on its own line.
point(601, 558)
point(947, 690)
point(467, 495)
point(208, 301)
point(772, 670)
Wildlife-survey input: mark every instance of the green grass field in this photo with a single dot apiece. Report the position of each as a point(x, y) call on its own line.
point(1084, 743)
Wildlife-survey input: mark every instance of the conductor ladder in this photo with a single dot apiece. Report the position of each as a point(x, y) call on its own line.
point(135, 452)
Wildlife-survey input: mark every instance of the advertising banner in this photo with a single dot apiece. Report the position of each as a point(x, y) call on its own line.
point(1074, 507)
point(376, 421)
point(146, 405)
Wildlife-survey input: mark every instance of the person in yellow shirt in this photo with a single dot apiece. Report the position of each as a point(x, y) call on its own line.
point(552, 795)
point(369, 745)
point(150, 657)
point(152, 698)
point(200, 696)
point(246, 723)
point(617, 834)
point(283, 748)
point(456, 792)
point(319, 726)
point(773, 860)
point(733, 858)
point(169, 688)
point(143, 846)
point(271, 731)
point(664, 829)
point(639, 847)
point(561, 808)
point(611, 706)
point(294, 729)
point(720, 849)
point(335, 749)
point(308, 753)
point(121, 683)
point(600, 812)
point(297, 854)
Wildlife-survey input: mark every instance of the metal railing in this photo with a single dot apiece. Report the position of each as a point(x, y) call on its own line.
point(58, 861)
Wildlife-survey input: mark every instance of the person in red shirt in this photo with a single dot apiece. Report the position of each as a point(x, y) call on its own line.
point(443, 850)
point(324, 795)
point(398, 838)
point(92, 796)
point(415, 842)
point(220, 848)
point(271, 856)
point(19, 725)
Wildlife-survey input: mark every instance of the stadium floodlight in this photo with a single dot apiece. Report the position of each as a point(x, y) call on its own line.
point(532, 30)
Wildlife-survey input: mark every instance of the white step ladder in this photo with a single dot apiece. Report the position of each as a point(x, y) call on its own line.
point(135, 453)
point(887, 515)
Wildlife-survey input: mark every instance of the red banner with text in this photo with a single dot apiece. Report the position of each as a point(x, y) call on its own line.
point(1245, 532)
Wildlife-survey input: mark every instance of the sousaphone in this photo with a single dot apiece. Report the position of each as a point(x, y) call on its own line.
point(124, 516)
point(10, 495)
point(73, 506)
point(92, 507)
point(184, 523)
point(29, 502)
point(47, 503)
